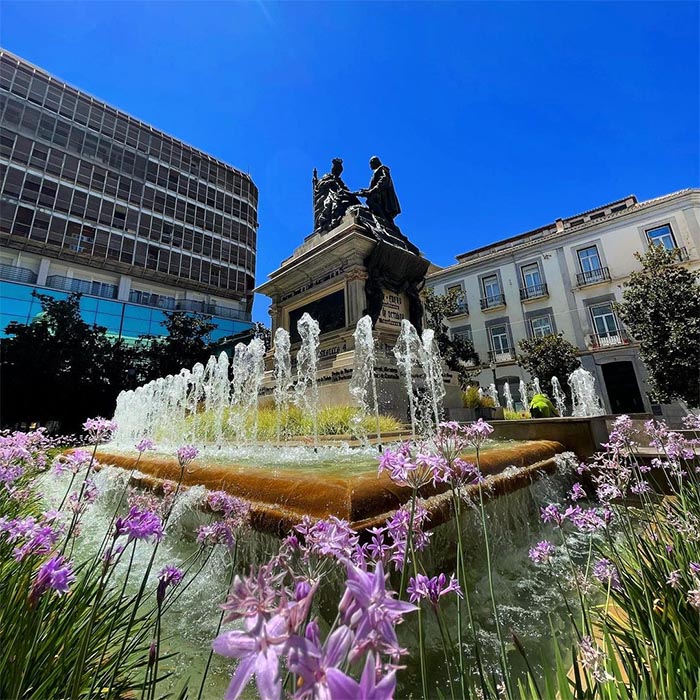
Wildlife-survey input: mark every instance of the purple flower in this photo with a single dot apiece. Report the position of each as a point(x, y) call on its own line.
point(606, 572)
point(312, 660)
point(674, 578)
point(542, 552)
point(369, 688)
point(168, 576)
point(432, 589)
point(397, 528)
point(258, 649)
point(368, 608)
point(186, 454)
point(694, 598)
point(593, 659)
point(577, 492)
point(405, 469)
point(551, 514)
point(139, 525)
point(332, 537)
point(219, 532)
point(255, 595)
point(145, 444)
point(476, 433)
point(71, 462)
point(55, 573)
point(694, 568)
point(32, 536)
point(99, 429)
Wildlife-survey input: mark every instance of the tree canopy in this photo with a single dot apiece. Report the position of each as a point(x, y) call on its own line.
point(549, 356)
point(661, 309)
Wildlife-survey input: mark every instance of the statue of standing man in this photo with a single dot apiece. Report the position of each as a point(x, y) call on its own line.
point(381, 196)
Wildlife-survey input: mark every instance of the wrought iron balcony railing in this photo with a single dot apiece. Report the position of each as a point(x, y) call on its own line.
point(533, 292)
point(501, 356)
point(461, 307)
point(600, 274)
point(493, 302)
point(96, 289)
point(17, 274)
point(682, 253)
point(612, 339)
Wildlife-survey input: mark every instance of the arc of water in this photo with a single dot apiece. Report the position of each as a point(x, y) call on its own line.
point(508, 396)
point(432, 367)
point(282, 372)
point(559, 396)
point(584, 399)
point(363, 385)
point(306, 390)
point(406, 352)
point(536, 386)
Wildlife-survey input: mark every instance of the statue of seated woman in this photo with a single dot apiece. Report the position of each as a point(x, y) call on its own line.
point(332, 198)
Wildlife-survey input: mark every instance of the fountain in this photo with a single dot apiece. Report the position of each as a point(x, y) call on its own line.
point(492, 393)
point(559, 397)
point(306, 390)
point(584, 399)
point(406, 351)
point(429, 357)
point(524, 398)
point(363, 385)
point(283, 377)
point(508, 397)
point(537, 389)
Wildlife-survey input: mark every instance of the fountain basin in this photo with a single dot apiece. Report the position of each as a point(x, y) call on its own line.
point(282, 495)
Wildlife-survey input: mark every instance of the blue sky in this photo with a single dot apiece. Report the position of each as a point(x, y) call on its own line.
point(494, 117)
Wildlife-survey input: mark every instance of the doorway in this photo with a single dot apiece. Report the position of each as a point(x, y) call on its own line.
point(623, 388)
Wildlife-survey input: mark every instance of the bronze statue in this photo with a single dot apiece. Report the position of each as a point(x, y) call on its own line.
point(332, 197)
point(381, 196)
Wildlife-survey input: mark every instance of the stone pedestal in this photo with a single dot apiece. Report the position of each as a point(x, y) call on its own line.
point(337, 277)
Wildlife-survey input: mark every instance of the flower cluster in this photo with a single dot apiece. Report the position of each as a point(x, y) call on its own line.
point(56, 573)
point(139, 525)
point(99, 429)
point(542, 552)
point(186, 454)
point(432, 588)
point(31, 535)
point(168, 577)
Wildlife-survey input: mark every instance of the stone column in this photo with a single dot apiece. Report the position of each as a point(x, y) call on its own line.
point(357, 301)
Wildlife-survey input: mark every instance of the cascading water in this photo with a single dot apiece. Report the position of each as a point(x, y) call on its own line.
point(493, 395)
point(363, 385)
point(508, 397)
point(284, 383)
point(536, 386)
point(524, 398)
point(406, 352)
point(429, 357)
point(306, 390)
point(559, 397)
point(584, 399)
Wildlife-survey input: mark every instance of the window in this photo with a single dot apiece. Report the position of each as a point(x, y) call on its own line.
point(500, 343)
point(532, 279)
point(492, 292)
point(589, 260)
point(604, 321)
point(541, 326)
point(662, 235)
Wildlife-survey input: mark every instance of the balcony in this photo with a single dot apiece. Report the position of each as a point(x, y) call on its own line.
point(609, 340)
point(682, 254)
point(493, 302)
point(533, 292)
point(203, 307)
point(461, 307)
point(501, 356)
point(95, 289)
point(601, 274)
point(148, 299)
point(17, 274)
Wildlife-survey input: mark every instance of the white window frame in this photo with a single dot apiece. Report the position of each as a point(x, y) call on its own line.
point(501, 349)
point(611, 332)
point(492, 281)
point(586, 268)
point(536, 332)
point(528, 271)
point(662, 238)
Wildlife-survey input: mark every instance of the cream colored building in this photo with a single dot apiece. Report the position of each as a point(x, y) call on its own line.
point(564, 278)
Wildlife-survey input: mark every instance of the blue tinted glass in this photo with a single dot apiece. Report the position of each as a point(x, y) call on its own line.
point(88, 304)
point(134, 328)
point(138, 312)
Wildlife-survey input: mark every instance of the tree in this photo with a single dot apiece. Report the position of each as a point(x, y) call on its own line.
point(458, 353)
point(186, 344)
point(661, 309)
point(549, 356)
point(59, 368)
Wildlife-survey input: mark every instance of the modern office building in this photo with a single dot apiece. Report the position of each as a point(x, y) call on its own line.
point(98, 202)
point(564, 277)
